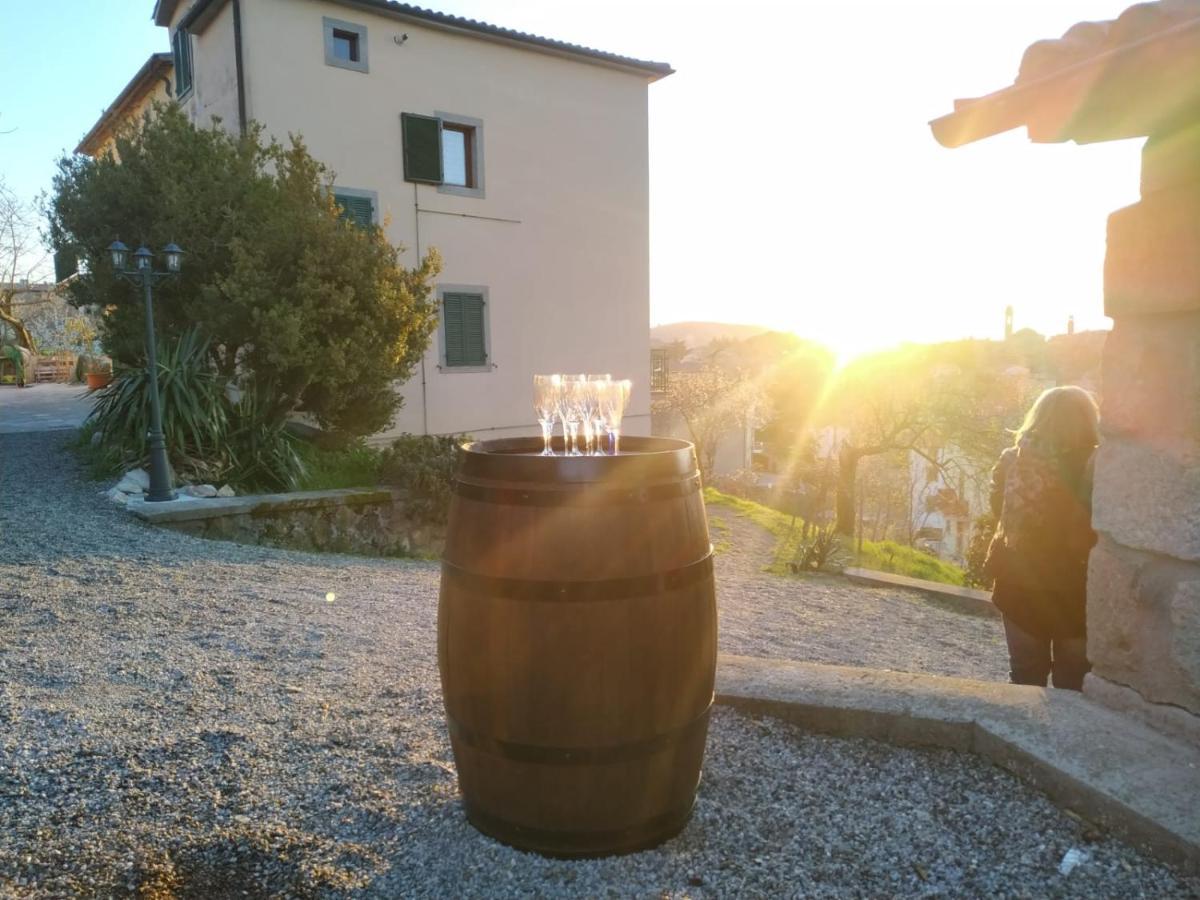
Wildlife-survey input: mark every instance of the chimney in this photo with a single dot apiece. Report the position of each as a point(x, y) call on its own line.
point(1070, 324)
point(1008, 323)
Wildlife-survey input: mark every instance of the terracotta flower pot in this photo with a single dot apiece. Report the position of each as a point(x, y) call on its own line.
point(97, 380)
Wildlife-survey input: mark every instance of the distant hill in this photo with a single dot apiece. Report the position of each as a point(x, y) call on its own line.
point(698, 334)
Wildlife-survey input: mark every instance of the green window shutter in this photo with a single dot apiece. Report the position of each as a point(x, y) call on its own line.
point(452, 323)
point(463, 323)
point(422, 137)
point(356, 209)
point(182, 48)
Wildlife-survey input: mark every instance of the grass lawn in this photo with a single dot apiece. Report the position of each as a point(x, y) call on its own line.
point(882, 556)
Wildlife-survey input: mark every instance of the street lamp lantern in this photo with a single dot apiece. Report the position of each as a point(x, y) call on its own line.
point(143, 274)
point(119, 253)
point(174, 257)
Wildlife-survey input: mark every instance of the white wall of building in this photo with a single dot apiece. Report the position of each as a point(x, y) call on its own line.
point(561, 237)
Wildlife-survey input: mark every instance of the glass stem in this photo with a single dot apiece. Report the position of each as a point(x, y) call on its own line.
point(572, 438)
point(547, 435)
point(616, 441)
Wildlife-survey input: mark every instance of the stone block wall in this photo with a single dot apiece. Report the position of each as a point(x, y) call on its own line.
point(1144, 574)
point(370, 523)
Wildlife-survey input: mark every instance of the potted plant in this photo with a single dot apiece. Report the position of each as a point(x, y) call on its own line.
point(96, 370)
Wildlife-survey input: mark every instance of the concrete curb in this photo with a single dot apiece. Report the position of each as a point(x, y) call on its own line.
point(967, 599)
point(1109, 768)
point(196, 508)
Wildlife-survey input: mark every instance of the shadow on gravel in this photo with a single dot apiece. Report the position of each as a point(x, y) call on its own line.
point(256, 863)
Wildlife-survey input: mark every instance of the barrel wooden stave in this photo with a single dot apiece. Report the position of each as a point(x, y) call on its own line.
point(577, 542)
point(577, 648)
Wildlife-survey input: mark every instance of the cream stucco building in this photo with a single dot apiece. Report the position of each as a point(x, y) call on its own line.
point(523, 160)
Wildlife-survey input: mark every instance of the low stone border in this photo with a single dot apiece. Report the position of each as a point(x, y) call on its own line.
point(350, 520)
point(1109, 768)
point(967, 599)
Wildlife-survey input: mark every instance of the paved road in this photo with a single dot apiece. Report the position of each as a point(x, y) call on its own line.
point(43, 407)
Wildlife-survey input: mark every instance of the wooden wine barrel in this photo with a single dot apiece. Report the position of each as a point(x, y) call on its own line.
point(577, 642)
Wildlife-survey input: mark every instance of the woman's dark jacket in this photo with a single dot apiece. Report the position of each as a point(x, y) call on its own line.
point(1041, 573)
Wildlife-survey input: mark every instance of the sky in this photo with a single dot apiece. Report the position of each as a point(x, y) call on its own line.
point(794, 180)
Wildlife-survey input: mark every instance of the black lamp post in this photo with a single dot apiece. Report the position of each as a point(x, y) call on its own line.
point(143, 273)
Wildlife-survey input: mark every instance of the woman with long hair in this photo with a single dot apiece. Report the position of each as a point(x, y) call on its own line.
point(1042, 497)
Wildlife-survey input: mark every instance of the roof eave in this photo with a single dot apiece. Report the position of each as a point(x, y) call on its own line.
point(204, 11)
point(652, 71)
point(157, 65)
point(164, 11)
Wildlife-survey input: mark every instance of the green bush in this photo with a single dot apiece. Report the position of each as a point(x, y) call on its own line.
point(291, 293)
point(355, 465)
point(13, 355)
point(209, 439)
point(262, 454)
point(194, 416)
point(99, 461)
point(981, 539)
point(823, 549)
point(423, 466)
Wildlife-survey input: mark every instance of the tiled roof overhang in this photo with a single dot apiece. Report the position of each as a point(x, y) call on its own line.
point(156, 67)
point(1134, 76)
point(202, 12)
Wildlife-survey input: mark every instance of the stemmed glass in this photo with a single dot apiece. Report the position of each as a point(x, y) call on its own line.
point(571, 410)
point(546, 392)
point(593, 424)
point(614, 398)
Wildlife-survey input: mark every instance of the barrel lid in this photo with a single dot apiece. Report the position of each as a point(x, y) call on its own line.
point(519, 459)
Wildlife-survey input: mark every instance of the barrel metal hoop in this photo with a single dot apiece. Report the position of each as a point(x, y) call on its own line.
point(578, 756)
point(594, 494)
point(597, 591)
point(576, 844)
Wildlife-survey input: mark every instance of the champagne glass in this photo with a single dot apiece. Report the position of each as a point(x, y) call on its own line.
point(616, 399)
point(570, 410)
point(598, 385)
point(546, 391)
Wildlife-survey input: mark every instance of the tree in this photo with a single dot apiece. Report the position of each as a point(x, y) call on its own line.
point(948, 403)
point(314, 312)
point(711, 402)
point(21, 258)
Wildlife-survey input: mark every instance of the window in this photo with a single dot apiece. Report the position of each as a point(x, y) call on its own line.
point(464, 328)
point(181, 48)
point(457, 144)
point(345, 45)
point(446, 150)
point(357, 206)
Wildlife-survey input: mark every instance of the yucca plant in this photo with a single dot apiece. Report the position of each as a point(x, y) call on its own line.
point(263, 455)
point(821, 550)
point(195, 422)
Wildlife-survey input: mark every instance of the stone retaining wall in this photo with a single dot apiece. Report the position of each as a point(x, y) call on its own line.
point(1144, 577)
point(367, 522)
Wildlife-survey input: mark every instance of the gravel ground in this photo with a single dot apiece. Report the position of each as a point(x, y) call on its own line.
point(826, 619)
point(182, 718)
